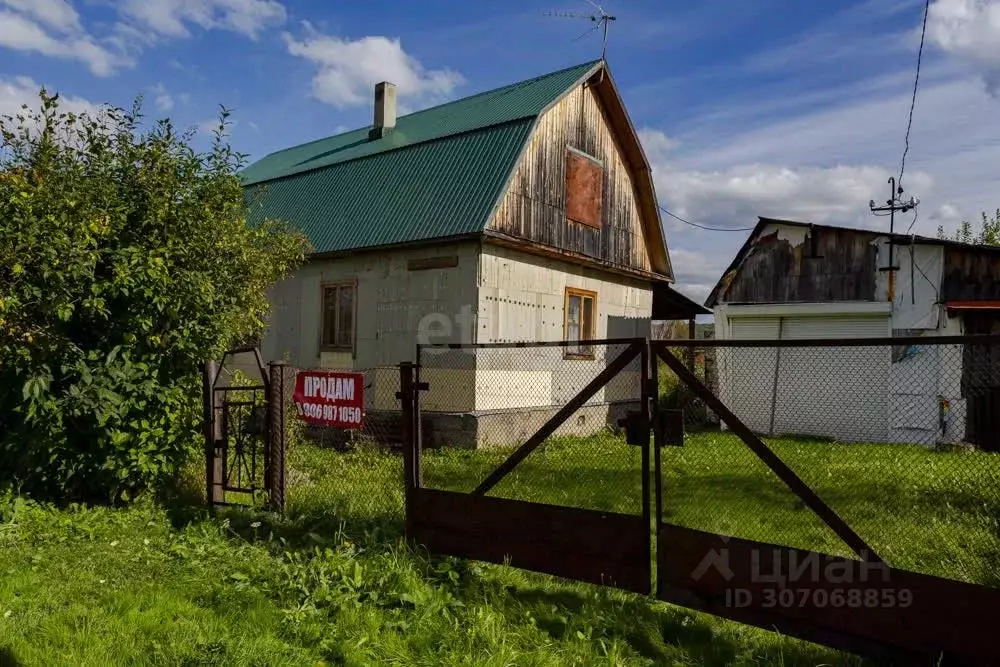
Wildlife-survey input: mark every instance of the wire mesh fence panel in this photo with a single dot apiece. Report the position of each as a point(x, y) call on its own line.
point(351, 475)
point(676, 395)
point(899, 440)
point(484, 402)
point(908, 463)
point(715, 482)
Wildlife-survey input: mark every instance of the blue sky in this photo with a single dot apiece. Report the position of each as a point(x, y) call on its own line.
point(792, 108)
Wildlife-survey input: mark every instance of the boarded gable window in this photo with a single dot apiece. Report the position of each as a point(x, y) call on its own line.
point(581, 312)
point(584, 189)
point(338, 317)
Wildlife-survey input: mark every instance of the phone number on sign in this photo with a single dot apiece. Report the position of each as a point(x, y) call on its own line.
point(852, 598)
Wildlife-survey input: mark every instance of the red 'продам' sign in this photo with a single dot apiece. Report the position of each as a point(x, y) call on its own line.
point(330, 398)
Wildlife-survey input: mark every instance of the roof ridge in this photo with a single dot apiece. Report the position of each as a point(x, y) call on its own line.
point(503, 90)
point(929, 240)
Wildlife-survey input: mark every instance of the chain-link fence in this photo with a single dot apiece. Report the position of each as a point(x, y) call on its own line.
point(350, 476)
point(676, 395)
point(901, 440)
point(483, 402)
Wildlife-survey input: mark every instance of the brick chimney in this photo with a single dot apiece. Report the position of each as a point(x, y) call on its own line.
point(385, 110)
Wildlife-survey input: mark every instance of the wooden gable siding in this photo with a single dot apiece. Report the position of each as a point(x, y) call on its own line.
point(971, 275)
point(534, 206)
point(839, 266)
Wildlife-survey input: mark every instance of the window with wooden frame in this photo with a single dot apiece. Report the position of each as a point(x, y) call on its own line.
point(580, 317)
point(338, 321)
point(584, 188)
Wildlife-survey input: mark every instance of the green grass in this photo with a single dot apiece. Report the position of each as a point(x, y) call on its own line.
point(332, 582)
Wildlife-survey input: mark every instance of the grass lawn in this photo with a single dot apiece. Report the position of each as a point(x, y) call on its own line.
point(927, 511)
point(332, 583)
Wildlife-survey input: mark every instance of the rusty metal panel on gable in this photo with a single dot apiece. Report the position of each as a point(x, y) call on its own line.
point(584, 190)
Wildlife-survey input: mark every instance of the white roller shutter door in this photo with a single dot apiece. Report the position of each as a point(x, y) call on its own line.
point(834, 392)
point(747, 373)
point(840, 392)
point(836, 327)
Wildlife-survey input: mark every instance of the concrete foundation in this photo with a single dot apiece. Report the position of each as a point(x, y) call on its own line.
point(478, 430)
point(508, 428)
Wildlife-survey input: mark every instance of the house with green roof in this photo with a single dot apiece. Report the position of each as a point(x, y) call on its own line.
point(524, 213)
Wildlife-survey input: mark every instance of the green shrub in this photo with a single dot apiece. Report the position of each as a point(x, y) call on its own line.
point(125, 260)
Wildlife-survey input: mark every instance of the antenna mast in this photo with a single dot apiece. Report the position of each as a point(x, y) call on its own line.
point(601, 19)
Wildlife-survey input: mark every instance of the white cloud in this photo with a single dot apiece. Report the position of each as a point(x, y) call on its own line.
point(970, 30)
point(823, 164)
point(171, 18)
point(20, 91)
point(22, 33)
point(54, 28)
point(656, 144)
point(734, 197)
point(349, 69)
point(210, 126)
point(955, 143)
point(56, 14)
point(162, 97)
point(697, 272)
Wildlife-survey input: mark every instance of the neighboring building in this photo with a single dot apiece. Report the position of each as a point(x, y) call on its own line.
point(525, 213)
point(793, 280)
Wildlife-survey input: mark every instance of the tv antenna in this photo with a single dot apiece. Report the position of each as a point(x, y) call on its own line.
point(600, 18)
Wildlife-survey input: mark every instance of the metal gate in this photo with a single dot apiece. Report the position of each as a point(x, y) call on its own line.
point(244, 430)
point(858, 602)
point(525, 529)
point(849, 593)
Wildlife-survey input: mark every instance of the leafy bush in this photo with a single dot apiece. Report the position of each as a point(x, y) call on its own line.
point(125, 260)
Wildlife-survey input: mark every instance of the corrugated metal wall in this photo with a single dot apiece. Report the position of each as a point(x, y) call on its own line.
point(534, 207)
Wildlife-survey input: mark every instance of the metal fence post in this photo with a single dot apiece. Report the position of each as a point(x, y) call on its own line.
point(213, 461)
point(405, 397)
point(418, 431)
point(645, 392)
point(657, 444)
point(692, 352)
point(276, 436)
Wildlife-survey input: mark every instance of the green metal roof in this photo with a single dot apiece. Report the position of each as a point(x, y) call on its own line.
point(438, 174)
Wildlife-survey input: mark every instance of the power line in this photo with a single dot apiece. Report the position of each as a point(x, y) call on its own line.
point(916, 84)
point(706, 227)
point(916, 214)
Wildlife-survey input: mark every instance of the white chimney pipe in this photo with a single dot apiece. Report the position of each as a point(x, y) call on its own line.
point(385, 109)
